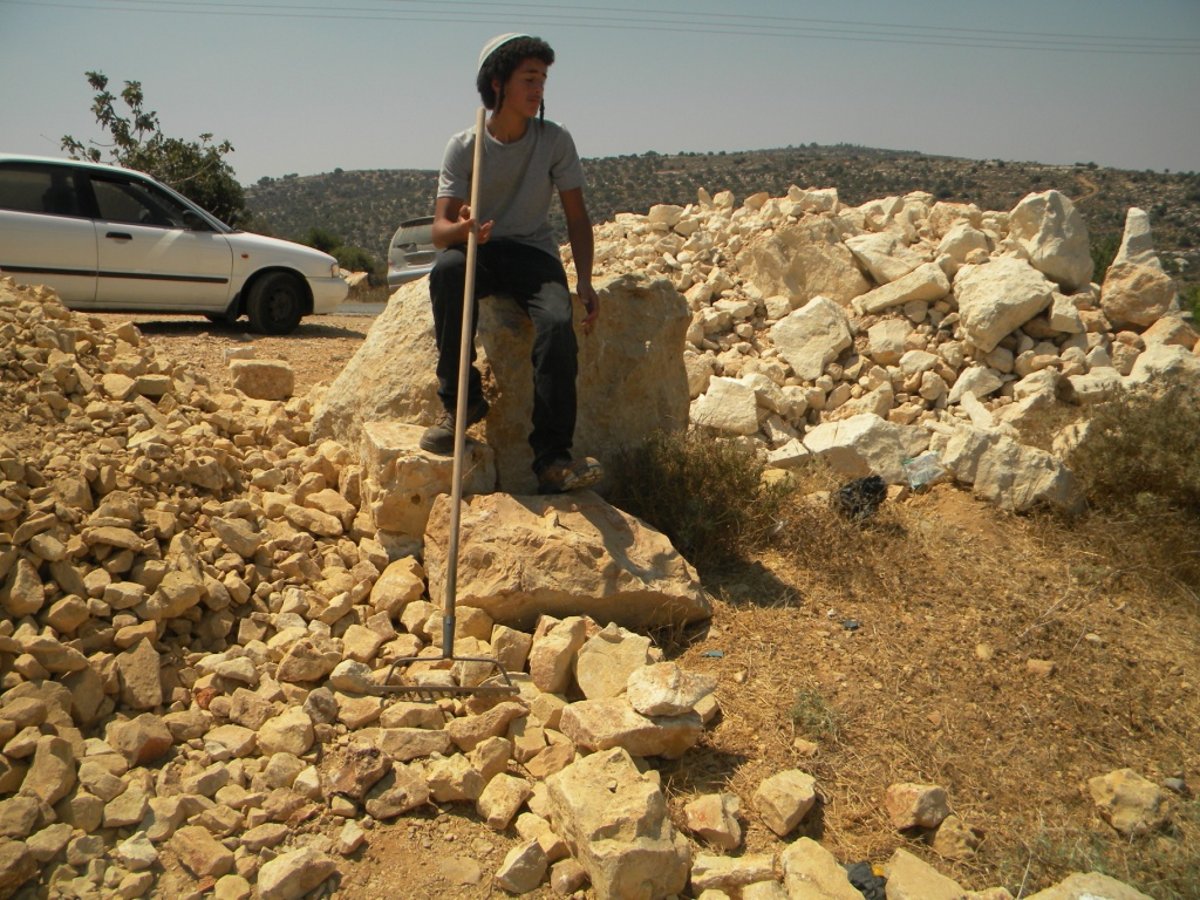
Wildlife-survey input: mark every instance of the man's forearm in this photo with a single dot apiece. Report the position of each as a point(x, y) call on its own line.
point(583, 248)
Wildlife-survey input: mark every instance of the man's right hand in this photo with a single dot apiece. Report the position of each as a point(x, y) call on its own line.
point(466, 223)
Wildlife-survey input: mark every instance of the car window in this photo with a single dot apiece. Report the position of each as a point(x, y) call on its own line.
point(39, 189)
point(136, 203)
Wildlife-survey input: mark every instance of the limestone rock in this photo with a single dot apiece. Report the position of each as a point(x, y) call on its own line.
point(52, 774)
point(263, 379)
point(615, 821)
point(916, 805)
point(1053, 233)
point(926, 283)
point(577, 554)
point(601, 724)
point(910, 878)
point(810, 872)
point(997, 297)
point(523, 868)
point(201, 854)
point(1089, 886)
point(714, 818)
point(636, 382)
point(289, 732)
point(605, 662)
point(17, 866)
point(715, 872)
point(1014, 476)
point(664, 689)
point(804, 260)
point(635, 356)
point(812, 337)
point(1137, 295)
point(728, 406)
point(883, 255)
point(1137, 242)
point(291, 875)
point(784, 799)
point(501, 799)
point(864, 445)
point(1129, 803)
point(403, 480)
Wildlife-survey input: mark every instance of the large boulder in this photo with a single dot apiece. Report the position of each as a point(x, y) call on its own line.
point(632, 380)
point(614, 819)
point(1012, 475)
point(1053, 233)
point(996, 297)
point(1137, 295)
point(391, 376)
point(811, 337)
point(574, 554)
point(866, 445)
point(803, 261)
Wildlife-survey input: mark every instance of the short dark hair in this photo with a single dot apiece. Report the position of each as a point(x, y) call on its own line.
point(504, 61)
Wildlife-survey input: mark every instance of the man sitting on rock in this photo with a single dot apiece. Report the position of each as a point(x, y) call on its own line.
point(525, 158)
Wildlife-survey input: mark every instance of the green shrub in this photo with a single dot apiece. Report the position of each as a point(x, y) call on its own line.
point(1143, 445)
point(706, 495)
point(1104, 249)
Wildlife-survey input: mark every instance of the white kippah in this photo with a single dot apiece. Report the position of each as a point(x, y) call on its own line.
point(495, 44)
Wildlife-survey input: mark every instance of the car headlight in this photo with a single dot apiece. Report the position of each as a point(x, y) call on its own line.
point(335, 271)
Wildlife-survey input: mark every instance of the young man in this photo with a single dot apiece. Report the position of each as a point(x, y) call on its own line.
point(525, 159)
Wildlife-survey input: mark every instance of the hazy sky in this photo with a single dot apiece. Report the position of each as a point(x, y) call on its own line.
point(302, 86)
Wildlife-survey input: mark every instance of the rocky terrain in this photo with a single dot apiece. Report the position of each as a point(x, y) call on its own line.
point(207, 589)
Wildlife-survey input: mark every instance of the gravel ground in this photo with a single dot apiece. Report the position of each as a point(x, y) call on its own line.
point(317, 350)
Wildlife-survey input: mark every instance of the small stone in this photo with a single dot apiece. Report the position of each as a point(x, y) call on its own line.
point(784, 799)
point(1131, 804)
point(523, 868)
point(501, 799)
point(291, 875)
point(664, 689)
point(916, 805)
point(713, 818)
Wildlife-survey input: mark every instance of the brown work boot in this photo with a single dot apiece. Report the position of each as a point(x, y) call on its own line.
point(570, 475)
point(439, 437)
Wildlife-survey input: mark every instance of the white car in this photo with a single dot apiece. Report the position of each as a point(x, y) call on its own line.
point(108, 238)
point(411, 254)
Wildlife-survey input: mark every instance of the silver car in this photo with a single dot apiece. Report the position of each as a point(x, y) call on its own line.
point(108, 238)
point(411, 253)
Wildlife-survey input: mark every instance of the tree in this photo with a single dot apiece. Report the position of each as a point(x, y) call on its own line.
point(197, 169)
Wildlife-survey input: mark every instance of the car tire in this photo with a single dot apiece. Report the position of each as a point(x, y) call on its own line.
point(275, 304)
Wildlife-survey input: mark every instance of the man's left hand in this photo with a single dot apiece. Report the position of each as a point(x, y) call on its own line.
point(591, 303)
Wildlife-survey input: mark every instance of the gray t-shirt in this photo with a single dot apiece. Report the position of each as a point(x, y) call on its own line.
point(519, 180)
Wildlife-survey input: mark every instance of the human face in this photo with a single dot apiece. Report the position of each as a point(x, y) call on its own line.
point(525, 88)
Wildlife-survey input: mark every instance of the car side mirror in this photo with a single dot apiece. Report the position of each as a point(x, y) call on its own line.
point(194, 222)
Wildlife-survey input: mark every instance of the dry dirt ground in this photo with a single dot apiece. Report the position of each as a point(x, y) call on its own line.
point(900, 650)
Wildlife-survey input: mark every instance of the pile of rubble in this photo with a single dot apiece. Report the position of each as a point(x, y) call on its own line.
point(870, 334)
point(205, 595)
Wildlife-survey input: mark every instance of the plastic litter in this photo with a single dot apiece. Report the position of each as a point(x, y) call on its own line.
point(923, 470)
point(714, 654)
point(867, 881)
point(859, 500)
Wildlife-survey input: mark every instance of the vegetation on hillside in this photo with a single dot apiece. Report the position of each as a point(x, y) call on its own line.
point(367, 206)
point(197, 169)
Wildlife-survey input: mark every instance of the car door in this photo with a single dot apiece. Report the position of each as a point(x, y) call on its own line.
point(154, 253)
point(46, 234)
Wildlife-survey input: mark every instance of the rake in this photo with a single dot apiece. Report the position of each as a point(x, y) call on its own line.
point(505, 686)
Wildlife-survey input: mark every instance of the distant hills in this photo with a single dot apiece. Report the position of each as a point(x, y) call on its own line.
point(364, 207)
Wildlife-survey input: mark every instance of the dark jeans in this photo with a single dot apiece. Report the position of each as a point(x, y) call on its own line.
point(537, 282)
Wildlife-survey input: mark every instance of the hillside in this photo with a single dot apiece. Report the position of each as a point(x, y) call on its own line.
point(364, 207)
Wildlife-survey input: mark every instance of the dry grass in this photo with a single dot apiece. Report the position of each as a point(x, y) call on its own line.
point(953, 598)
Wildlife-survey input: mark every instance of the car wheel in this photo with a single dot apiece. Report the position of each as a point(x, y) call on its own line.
point(276, 304)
